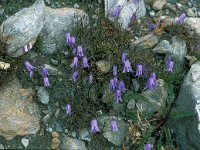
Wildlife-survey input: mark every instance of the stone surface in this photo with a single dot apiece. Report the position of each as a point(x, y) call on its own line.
point(19, 115)
point(155, 99)
point(103, 66)
point(71, 143)
point(43, 95)
point(128, 9)
point(193, 26)
point(56, 23)
point(114, 137)
point(52, 71)
point(179, 49)
point(158, 4)
point(84, 135)
point(25, 142)
point(23, 27)
point(163, 48)
point(131, 104)
point(187, 129)
point(145, 42)
point(191, 13)
point(55, 143)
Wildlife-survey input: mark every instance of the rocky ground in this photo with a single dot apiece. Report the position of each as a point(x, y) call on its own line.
point(33, 116)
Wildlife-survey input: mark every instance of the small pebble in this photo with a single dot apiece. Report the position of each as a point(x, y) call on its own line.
point(152, 13)
point(55, 134)
point(76, 6)
point(1, 146)
point(55, 143)
point(25, 142)
point(74, 134)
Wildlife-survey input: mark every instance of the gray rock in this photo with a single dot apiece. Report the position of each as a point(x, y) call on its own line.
point(145, 42)
point(191, 13)
point(152, 13)
point(158, 4)
point(57, 22)
point(179, 49)
point(1, 146)
point(84, 135)
point(52, 71)
point(103, 66)
point(18, 114)
point(25, 142)
point(114, 137)
point(163, 48)
point(43, 95)
point(22, 28)
point(127, 10)
point(193, 26)
point(187, 129)
point(71, 143)
point(155, 99)
point(131, 104)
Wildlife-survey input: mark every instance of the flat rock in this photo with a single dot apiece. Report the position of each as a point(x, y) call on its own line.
point(43, 95)
point(72, 143)
point(158, 4)
point(163, 48)
point(19, 115)
point(187, 129)
point(22, 28)
point(56, 23)
point(116, 138)
point(128, 9)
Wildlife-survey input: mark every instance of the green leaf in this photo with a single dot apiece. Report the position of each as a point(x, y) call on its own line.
point(131, 95)
point(181, 114)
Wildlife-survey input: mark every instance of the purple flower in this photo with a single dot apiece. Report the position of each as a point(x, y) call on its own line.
point(68, 109)
point(90, 78)
point(75, 76)
point(151, 27)
point(139, 70)
point(118, 96)
point(181, 18)
point(116, 11)
point(148, 146)
point(45, 72)
point(153, 75)
point(80, 51)
point(94, 126)
point(123, 57)
point(113, 126)
point(136, 1)
point(85, 62)
point(170, 65)
point(68, 38)
point(127, 66)
point(133, 17)
point(29, 67)
point(46, 82)
point(151, 84)
point(74, 51)
point(114, 70)
point(121, 86)
point(75, 62)
point(72, 41)
point(112, 85)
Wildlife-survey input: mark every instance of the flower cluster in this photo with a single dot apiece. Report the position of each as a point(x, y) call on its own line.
point(44, 73)
point(78, 52)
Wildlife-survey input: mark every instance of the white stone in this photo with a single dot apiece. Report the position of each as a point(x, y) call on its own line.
point(25, 142)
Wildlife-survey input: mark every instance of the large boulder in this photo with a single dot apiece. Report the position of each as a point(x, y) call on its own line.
point(22, 28)
point(19, 115)
point(128, 8)
point(187, 129)
point(56, 23)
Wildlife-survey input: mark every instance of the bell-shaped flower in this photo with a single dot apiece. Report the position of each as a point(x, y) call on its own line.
point(75, 62)
point(94, 126)
point(68, 38)
point(90, 78)
point(72, 41)
point(114, 70)
point(181, 19)
point(80, 51)
point(124, 57)
point(127, 66)
point(139, 70)
point(170, 65)
point(85, 62)
point(118, 96)
point(148, 147)
point(45, 72)
point(29, 67)
point(68, 109)
point(151, 26)
point(112, 85)
point(75, 76)
point(116, 11)
point(113, 126)
point(46, 82)
point(150, 84)
point(121, 86)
